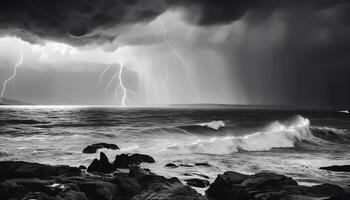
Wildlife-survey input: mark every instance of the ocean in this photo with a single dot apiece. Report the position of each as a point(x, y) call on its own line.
point(290, 142)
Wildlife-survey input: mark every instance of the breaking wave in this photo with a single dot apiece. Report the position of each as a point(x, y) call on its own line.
point(203, 127)
point(276, 135)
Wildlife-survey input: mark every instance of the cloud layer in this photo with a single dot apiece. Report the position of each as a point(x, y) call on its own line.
point(82, 22)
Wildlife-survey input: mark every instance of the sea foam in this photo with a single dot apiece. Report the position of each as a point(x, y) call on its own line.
point(276, 135)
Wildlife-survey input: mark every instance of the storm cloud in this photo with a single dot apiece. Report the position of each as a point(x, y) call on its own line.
point(272, 51)
point(82, 22)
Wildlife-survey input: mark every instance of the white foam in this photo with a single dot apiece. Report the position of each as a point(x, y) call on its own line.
point(276, 135)
point(213, 124)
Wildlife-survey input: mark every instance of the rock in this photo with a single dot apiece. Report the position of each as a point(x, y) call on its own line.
point(171, 165)
point(103, 165)
point(93, 148)
point(196, 182)
point(337, 168)
point(169, 191)
point(185, 165)
point(124, 161)
point(341, 196)
point(82, 167)
point(11, 190)
point(20, 169)
point(127, 186)
point(72, 195)
point(136, 171)
point(143, 158)
point(98, 190)
point(236, 186)
point(203, 164)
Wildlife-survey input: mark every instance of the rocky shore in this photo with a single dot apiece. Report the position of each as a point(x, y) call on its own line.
point(124, 179)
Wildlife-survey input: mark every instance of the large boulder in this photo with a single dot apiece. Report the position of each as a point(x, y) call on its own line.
point(337, 168)
point(102, 165)
point(20, 169)
point(236, 186)
point(125, 161)
point(93, 148)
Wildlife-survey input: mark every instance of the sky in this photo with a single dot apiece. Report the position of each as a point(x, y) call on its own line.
point(160, 52)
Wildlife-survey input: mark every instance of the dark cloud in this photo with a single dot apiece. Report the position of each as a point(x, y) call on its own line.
point(77, 22)
point(81, 22)
point(212, 12)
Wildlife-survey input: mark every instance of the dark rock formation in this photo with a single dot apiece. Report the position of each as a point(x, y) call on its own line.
point(172, 190)
point(20, 169)
point(82, 167)
point(23, 180)
point(136, 171)
point(232, 186)
point(185, 165)
point(196, 182)
point(93, 148)
point(203, 164)
point(61, 184)
point(103, 165)
point(341, 196)
point(337, 168)
point(125, 161)
point(171, 165)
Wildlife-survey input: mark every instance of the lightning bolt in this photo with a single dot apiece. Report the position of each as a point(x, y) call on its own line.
point(121, 84)
point(102, 74)
point(111, 81)
point(120, 88)
point(11, 77)
point(170, 46)
point(177, 54)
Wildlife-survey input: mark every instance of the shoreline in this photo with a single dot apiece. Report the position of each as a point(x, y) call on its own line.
point(124, 179)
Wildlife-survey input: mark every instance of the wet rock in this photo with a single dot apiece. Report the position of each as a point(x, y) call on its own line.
point(196, 182)
point(127, 186)
point(94, 147)
point(172, 190)
point(82, 167)
point(203, 164)
point(125, 161)
point(236, 186)
point(136, 171)
point(103, 165)
point(20, 169)
point(171, 165)
point(337, 168)
point(72, 195)
point(11, 190)
point(341, 196)
point(185, 165)
point(98, 190)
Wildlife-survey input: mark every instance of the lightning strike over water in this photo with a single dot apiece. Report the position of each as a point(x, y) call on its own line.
point(121, 84)
point(172, 49)
point(179, 56)
point(11, 77)
point(111, 81)
point(102, 74)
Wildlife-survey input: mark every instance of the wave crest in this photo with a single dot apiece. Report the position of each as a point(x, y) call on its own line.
point(276, 135)
point(216, 125)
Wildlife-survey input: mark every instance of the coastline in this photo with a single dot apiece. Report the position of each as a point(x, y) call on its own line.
point(124, 179)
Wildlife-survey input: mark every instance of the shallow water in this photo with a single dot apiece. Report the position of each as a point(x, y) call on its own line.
point(295, 143)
